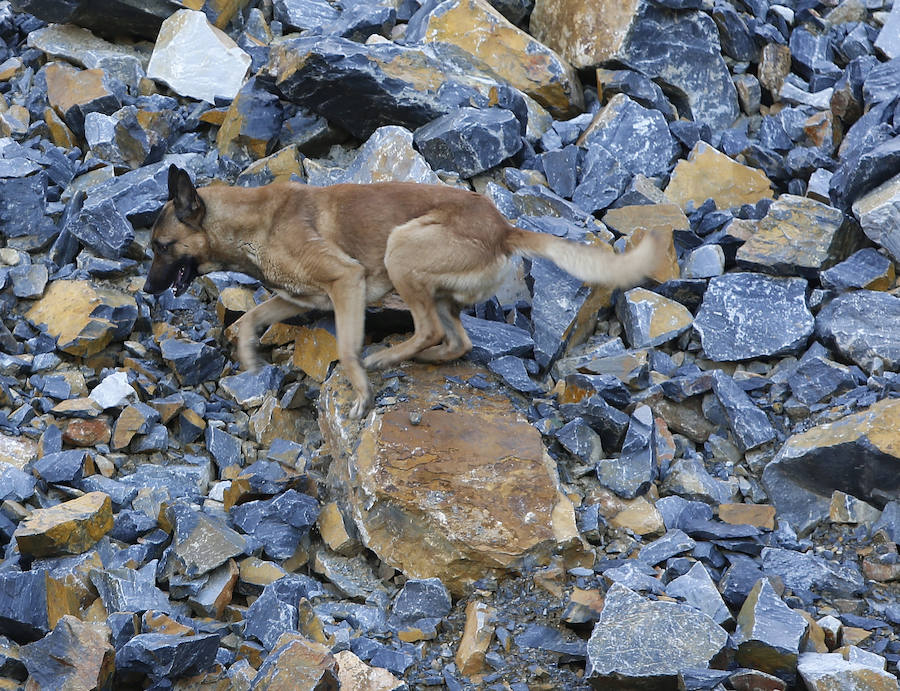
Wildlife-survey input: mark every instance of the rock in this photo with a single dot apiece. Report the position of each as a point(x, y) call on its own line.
point(804, 571)
point(759, 515)
point(650, 319)
point(772, 317)
point(64, 466)
point(74, 654)
point(354, 673)
point(278, 523)
point(461, 546)
point(862, 170)
point(469, 141)
point(18, 485)
point(799, 236)
point(866, 268)
point(161, 656)
point(698, 589)
point(275, 610)
point(817, 378)
point(23, 204)
point(638, 137)
point(826, 671)
point(474, 28)
point(388, 155)
point(853, 454)
point(492, 340)
point(749, 425)
point(887, 41)
point(860, 325)
point(622, 653)
point(192, 362)
point(634, 471)
point(32, 602)
point(252, 124)
point(196, 59)
point(113, 391)
point(878, 211)
point(710, 174)
point(769, 634)
point(297, 663)
point(200, 542)
point(392, 84)
point(216, 594)
point(117, 18)
point(82, 318)
point(28, 282)
point(848, 509)
point(71, 527)
point(476, 639)
point(74, 93)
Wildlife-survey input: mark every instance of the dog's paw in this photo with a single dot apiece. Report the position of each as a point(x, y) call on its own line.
point(361, 406)
point(378, 359)
point(250, 360)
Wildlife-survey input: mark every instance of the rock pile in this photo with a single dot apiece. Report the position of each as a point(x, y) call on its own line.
point(690, 484)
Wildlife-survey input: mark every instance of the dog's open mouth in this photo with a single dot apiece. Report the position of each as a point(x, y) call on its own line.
point(185, 273)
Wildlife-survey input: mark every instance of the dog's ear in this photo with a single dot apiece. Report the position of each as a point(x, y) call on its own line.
point(189, 207)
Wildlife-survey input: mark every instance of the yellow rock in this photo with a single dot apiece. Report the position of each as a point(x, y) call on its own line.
point(451, 483)
point(651, 318)
point(333, 531)
point(353, 673)
point(232, 303)
point(760, 515)
point(14, 121)
point(508, 53)
point(314, 351)
point(279, 166)
point(635, 221)
point(127, 424)
point(66, 309)
point(297, 663)
point(640, 516)
point(710, 174)
point(72, 527)
point(68, 86)
point(219, 12)
point(584, 32)
point(272, 421)
point(476, 638)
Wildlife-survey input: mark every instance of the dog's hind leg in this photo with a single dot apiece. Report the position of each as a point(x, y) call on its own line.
point(456, 341)
point(275, 309)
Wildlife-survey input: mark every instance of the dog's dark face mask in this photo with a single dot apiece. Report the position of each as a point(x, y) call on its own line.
point(178, 241)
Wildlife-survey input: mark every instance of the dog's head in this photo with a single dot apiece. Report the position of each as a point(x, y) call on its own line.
point(179, 243)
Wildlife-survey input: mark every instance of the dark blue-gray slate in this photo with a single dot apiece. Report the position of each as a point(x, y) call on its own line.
point(863, 325)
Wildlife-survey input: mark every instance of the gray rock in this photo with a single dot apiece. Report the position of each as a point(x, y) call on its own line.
point(277, 524)
point(249, 389)
point(116, 18)
point(17, 485)
point(888, 41)
point(166, 656)
point(863, 169)
point(602, 179)
point(63, 467)
point(29, 281)
point(643, 642)
point(769, 634)
point(611, 424)
point(747, 315)
point(275, 611)
point(492, 339)
point(193, 362)
point(863, 326)
point(878, 212)
point(23, 204)
point(637, 137)
point(651, 319)
point(558, 300)
point(817, 377)
point(632, 473)
point(297, 15)
point(688, 477)
point(200, 542)
point(805, 571)
point(580, 440)
point(635, 576)
point(537, 637)
point(129, 590)
point(862, 269)
point(421, 598)
point(698, 589)
point(673, 543)
point(514, 372)
point(749, 425)
point(704, 262)
point(469, 141)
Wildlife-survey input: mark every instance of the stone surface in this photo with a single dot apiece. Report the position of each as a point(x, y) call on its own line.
point(81, 656)
point(878, 212)
point(799, 236)
point(457, 547)
point(68, 528)
point(650, 319)
point(140, 19)
point(621, 652)
point(710, 174)
point(746, 315)
point(217, 65)
point(831, 671)
point(862, 327)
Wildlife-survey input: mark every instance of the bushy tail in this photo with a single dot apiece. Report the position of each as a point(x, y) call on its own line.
point(595, 264)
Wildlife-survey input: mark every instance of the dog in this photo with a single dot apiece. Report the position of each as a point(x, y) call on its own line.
point(342, 247)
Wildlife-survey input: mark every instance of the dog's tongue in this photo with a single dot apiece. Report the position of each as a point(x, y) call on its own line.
point(180, 283)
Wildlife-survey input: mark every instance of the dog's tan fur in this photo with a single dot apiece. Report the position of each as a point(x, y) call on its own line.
point(344, 246)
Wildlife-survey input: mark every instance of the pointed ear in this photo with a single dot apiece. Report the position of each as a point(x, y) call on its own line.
point(189, 207)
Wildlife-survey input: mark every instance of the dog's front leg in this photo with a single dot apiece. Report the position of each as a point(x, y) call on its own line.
point(273, 310)
point(348, 296)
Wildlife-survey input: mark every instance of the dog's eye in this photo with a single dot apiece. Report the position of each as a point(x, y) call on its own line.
point(162, 247)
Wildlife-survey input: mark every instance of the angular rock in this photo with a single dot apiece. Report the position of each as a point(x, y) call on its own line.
point(72, 527)
point(278, 523)
point(469, 141)
point(363, 87)
point(200, 543)
point(769, 634)
point(354, 673)
point(476, 639)
point(747, 315)
point(867, 268)
point(477, 29)
point(878, 212)
point(638, 137)
point(698, 589)
point(118, 18)
point(749, 425)
point(65, 466)
point(275, 610)
point(23, 205)
point(862, 326)
point(623, 651)
point(74, 93)
point(307, 664)
point(196, 59)
point(492, 340)
point(855, 454)
point(193, 362)
point(821, 672)
point(805, 571)
point(74, 655)
point(161, 656)
point(32, 602)
point(799, 237)
point(710, 174)
point(650, 319)
point(817, 378)
point(82, 318)
point(405, 527)
point(252, 124)
point(634, 471)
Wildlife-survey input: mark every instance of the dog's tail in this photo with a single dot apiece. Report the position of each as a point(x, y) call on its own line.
point(596, 264)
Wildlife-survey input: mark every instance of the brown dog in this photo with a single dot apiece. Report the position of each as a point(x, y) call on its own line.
point(344, 246)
